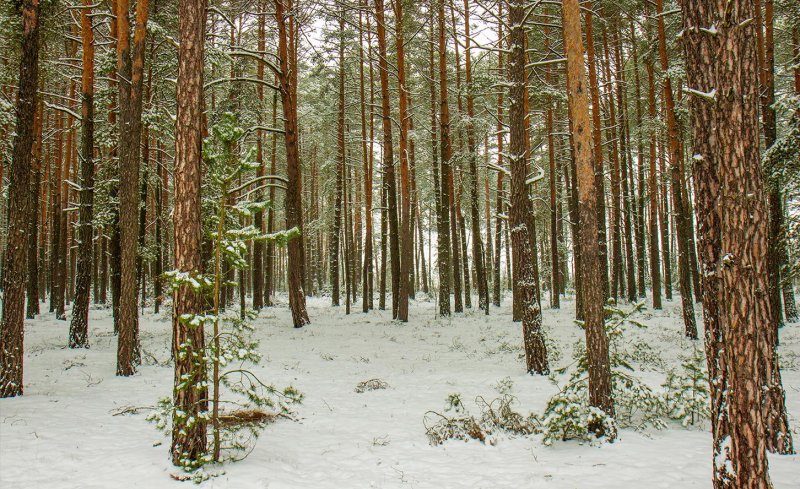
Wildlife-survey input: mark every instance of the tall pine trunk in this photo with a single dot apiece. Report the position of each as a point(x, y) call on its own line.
point(130, 65)
point(189, 442)
point(477, 243)
point(367, 279)
point(389, 182)
point(14, 260)
point(287, 81)
point(406, 224)
point(678, 199)
point(522, 235)
point(600, 394)
point(79, 327)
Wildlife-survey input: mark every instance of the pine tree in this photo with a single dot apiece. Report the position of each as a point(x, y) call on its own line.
point(600, 395)
point(14, 260)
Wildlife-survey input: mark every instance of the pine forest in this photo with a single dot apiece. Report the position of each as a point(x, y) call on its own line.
point(340, 244)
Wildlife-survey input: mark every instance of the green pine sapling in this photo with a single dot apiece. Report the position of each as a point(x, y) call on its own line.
point(231, 346)
point(686, 392)
point(568, 414)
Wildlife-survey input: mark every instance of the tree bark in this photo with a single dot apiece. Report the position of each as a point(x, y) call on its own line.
point(477, 242)
point(448, 198)
point(258, 219)
point(679, 206)
point(522, 235)
point(639, 206)
point(597, 151)
point(600, 394)
point(79, 326)
point(390, 183)
point(722, 71)
point(406, 227)
point(287, 80)
point(336, 230)
point(367, 279)
point(130, 66)
point(32, 308)
point(14, 260)
point(501, 129)
point(655, 265)
point(189, 443)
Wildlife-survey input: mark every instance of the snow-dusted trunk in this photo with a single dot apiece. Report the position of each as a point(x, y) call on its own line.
point(32, 306)
point(639, 206)
point(617, 273)
point(446, 273)
point(257, 265)
point(555, 269)
point(600, 394)
point(700, 48)
point(14, 261)
point(522, 235)
point(734, 229)
point(653, 189)
point(189, 442)
point(270, 272)
point(624, 155)
point(679, 206)
point(789, 304)
point(130, 66)
point(336, 229)
point(477, 242)
point(287, 80)
point(78, 330)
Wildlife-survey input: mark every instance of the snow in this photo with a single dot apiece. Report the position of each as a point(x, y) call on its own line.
point(63, 432)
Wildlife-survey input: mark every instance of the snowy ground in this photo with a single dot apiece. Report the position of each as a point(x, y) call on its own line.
point(62, 433)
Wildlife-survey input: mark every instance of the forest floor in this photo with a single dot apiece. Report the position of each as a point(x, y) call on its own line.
point(63, 432)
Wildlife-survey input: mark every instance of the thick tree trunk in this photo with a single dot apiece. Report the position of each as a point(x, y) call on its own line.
point(287, 79)
point(789, 305)
point(32, 308)
point(734, 226)
point(600, 394)
point(14, 260)
point(522, 235)
point(189, 442)
point(131, 68)
point(79, 326)
point(446, 272)
point(700, 48)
